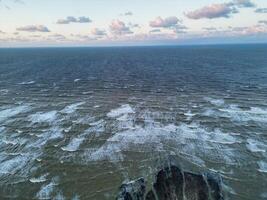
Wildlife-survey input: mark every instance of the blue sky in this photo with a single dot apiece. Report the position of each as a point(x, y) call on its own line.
point(127, 22)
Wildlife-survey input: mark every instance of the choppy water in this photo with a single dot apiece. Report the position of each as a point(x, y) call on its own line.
point(75, 123)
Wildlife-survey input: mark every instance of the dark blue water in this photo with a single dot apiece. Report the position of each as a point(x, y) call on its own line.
point(77, 122)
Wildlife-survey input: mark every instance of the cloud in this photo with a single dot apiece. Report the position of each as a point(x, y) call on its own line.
point(128, 13)
point(133, 25)
point(172, 23)
point(119, 28)
point(98, 32)
point(222, 10)
point(212, 11)
point(33, 28)
point(2, 32)
point(71, 19)
point(164, 23)
point(209, 29)
point(155, 31)
point(250, 30)
point(263, 22)
point(261, 10)
point(242, 3)
point(58, 37)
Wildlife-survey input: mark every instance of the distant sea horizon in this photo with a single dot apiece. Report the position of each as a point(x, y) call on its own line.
point(134, 45)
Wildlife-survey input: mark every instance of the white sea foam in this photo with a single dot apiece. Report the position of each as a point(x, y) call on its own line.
point(11, 112)
point(256, 146)
point(77, 80)
point(218, 136)
point(42, 117)
point(54, 132)
point(39, 179)
point(216, 102)
point(189, 114)
point(27, 83)
point(74, 144)
point(72, 108)
point(13, 165)
point(237, 114)
point(262, 166)
point(123, 110)
point(46, 191)
point(2, 129)
point(96, 128)
point(186, 139)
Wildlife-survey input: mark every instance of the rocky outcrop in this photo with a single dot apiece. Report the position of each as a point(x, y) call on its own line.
point(172, 183)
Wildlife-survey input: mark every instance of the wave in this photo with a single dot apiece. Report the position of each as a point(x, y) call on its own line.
point(255, 146)
point(41, 117)
point(11, 112)
point(74, 144)
point(71, 108)
point(123, 110)
point(40, 179)
point(262, 166)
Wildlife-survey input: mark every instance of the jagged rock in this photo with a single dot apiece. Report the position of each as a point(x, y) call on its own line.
point(134, 190)
point(172, 183)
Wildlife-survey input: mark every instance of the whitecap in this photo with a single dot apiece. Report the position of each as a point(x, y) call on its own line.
point(223, 138)
point(42, 117)
point(46, 191)
point(39, 179)
point(189, 114)
point(13, 165)
point(124, 109)
point(255, 146)
point(2, 129)
point(11, 112)
point(71, 108)
point(262, 166)
point(74, 144)
point(27, 83)
point(237, 114)
point(76, 80)
point(216, 102)
point(187, 139)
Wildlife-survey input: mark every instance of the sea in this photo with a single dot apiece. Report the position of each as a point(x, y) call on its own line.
point(76, 123)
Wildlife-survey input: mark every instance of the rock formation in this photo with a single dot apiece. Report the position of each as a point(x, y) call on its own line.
point(172, 183)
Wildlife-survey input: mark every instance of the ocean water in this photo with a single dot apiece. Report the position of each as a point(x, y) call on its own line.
point(75, 123)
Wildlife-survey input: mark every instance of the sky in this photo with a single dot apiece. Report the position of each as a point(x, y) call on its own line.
point(29, 23)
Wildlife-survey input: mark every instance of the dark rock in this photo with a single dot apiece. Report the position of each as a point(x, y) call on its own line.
point(172, 183)
point(134, 190)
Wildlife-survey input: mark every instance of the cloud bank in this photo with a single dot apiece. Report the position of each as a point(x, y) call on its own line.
point(33, 28)
point(222, 10)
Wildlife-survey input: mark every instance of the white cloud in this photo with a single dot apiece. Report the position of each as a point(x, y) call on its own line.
point(118, 27)
point(212, 11)
point(98, 32)
point(219, 10)
point(164, 23)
